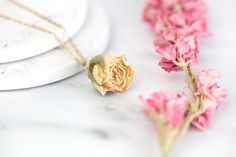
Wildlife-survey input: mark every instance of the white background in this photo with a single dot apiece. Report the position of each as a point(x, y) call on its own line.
point(70, 119)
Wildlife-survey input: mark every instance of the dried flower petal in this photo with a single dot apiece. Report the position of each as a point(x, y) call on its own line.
point(180, 15)
point(209, 86)
point(214, 96)
point(178, 52)
point(202, 121)
point(163, 107)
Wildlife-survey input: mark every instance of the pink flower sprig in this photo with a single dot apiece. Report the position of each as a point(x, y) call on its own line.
point(173, 114)
point(208, 87)
point(168, 112)
point(179, 26)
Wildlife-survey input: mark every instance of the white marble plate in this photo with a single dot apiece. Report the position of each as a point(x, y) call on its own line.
point(19, 42)
point(57, 64)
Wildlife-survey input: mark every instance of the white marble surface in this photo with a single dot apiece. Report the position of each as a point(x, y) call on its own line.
point(70, 119)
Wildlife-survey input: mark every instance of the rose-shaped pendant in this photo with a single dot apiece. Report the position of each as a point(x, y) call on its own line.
point(110, 73)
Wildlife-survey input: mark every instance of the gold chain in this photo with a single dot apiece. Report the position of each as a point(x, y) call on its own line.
point(82, 59)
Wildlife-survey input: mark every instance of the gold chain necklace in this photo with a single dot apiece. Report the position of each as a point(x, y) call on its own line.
point(107, 73)
point(81, 58)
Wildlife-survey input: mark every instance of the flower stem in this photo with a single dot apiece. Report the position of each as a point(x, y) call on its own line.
point(192, 84)
point(191, 79)
point(181, 131)
point(187, 123)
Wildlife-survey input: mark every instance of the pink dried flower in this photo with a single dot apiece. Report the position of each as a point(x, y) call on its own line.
point(202, 121)
point(188, 15)
point(195, 12)
point(149, 14)
point(168, 65)
point(178, 52)
point(215, 95)
point(163, 107)
point(209, 86)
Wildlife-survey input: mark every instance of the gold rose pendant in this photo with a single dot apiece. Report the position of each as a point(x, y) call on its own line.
point(110, 73)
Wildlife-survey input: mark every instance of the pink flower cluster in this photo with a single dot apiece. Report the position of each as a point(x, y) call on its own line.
point(173, 109)
point(215, 95)
point(187, 16)
point(172, 51)
point(164, 107)
point(179, 24)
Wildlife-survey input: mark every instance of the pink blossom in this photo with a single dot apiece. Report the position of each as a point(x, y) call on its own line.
point(215, 95)
point(179, 24)
point(149, 14)
point(175, 52)
point(166, 107)
point(168, 65)
point(188, 15)
point(209, 86)
point(195, 12)
point(202, 121)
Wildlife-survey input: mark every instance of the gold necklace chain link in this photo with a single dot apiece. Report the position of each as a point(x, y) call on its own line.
point(62, 45)
point(82, 59)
